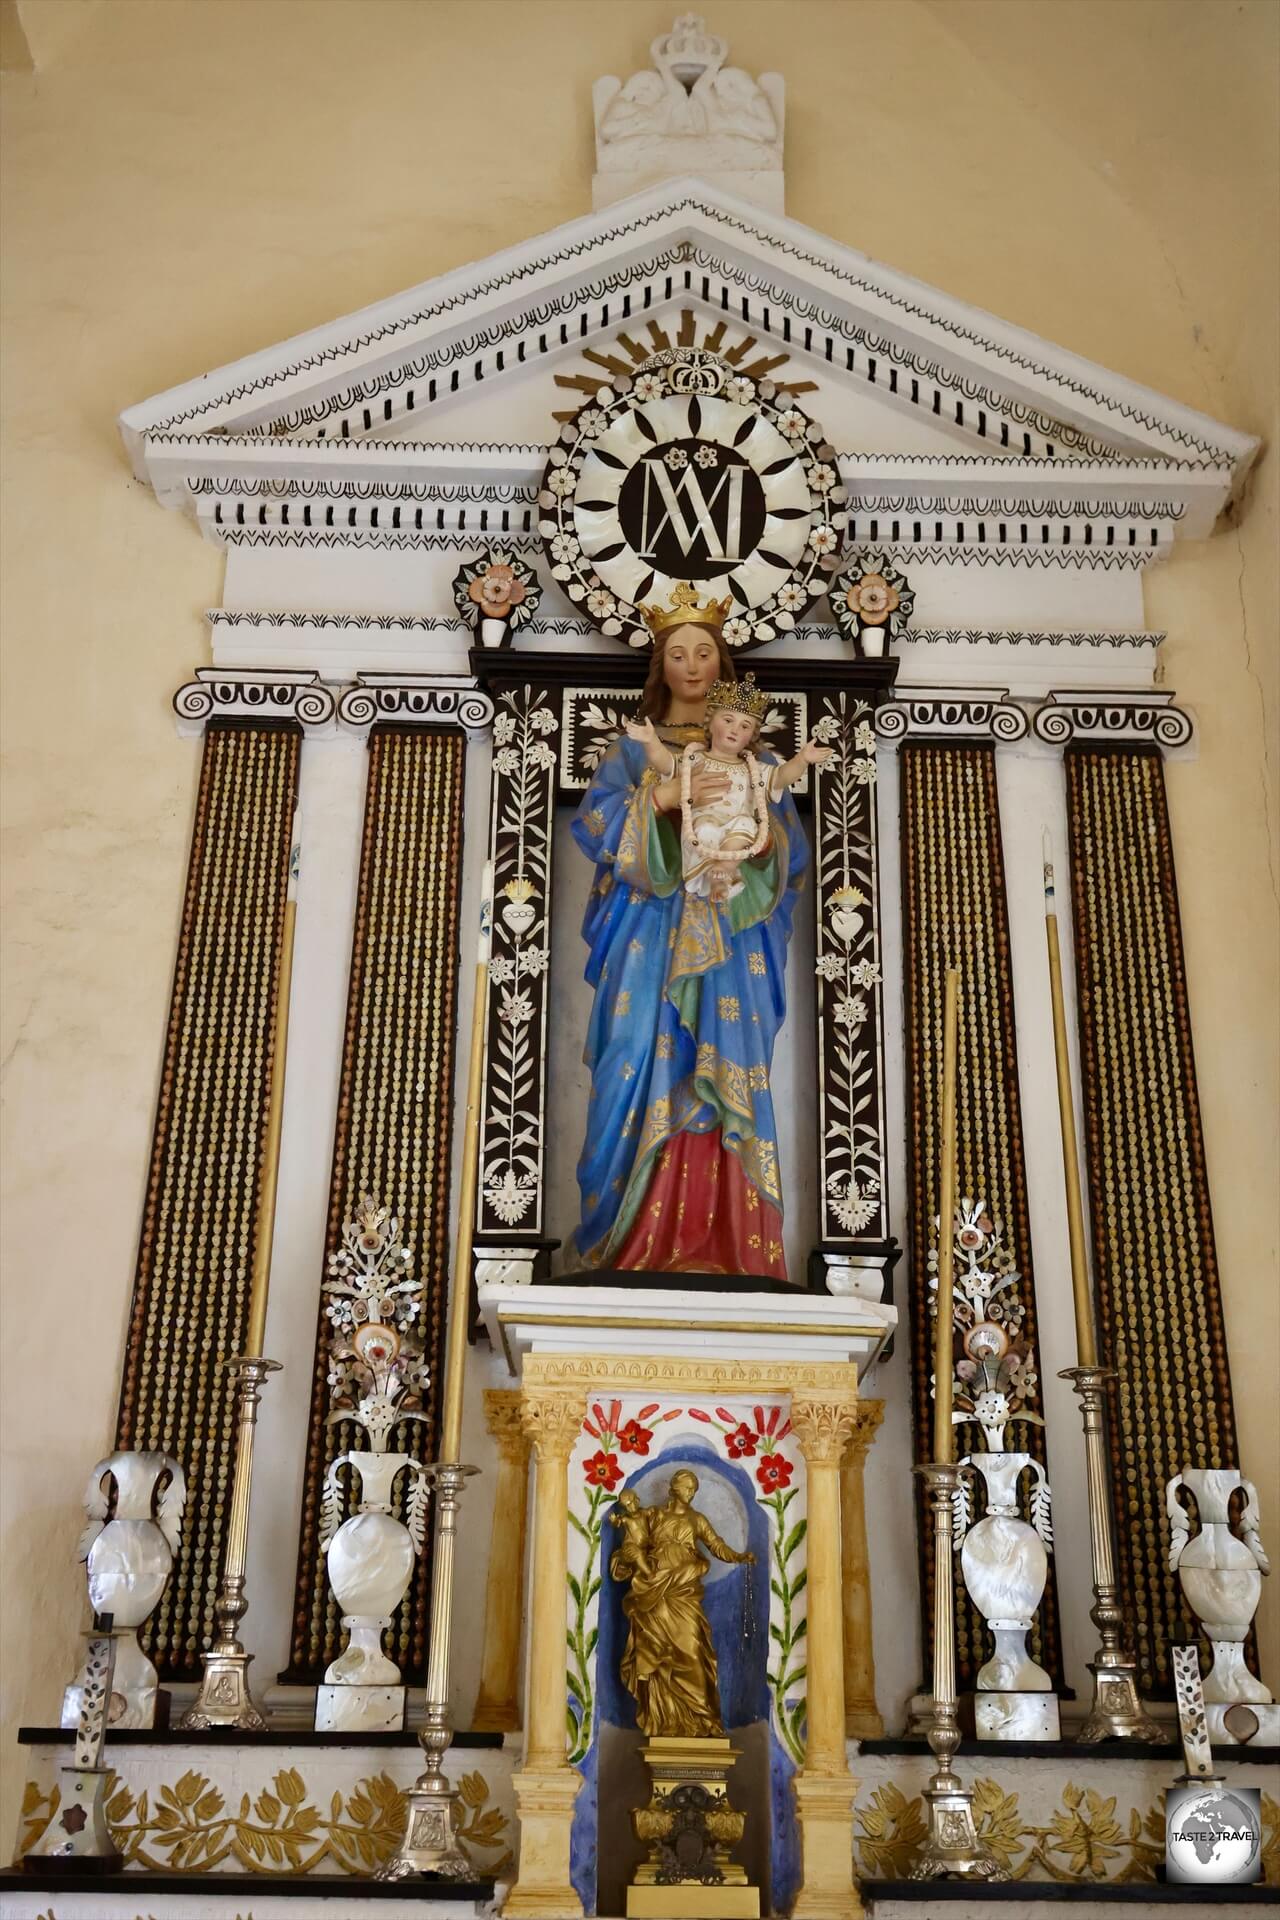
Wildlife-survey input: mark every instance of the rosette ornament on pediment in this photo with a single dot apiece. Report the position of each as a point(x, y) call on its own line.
point(685, 467)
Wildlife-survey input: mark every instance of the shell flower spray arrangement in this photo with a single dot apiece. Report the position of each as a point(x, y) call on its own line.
point(1004, 1560)
point(378, 1379)
point(495, 593)
point(871, 603)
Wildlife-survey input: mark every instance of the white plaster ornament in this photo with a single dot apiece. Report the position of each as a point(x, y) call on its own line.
point(689, 114)
point(1003, 1559)
point(378, 1376)
point(130, 1557)
point(1221, 1575)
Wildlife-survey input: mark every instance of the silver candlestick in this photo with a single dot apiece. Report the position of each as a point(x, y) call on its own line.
point(224, 1699)
point(1117, 1712)
point(430, 1843)
point(953, 1848)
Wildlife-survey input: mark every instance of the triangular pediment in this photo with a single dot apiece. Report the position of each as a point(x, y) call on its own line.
point(412, 368)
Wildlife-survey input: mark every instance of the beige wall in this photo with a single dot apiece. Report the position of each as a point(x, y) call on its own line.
point(186, 180)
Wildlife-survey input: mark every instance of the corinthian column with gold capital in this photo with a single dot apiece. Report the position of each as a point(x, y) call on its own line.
point(497, 1708)
point(824, 1788)
point(861, 1716)
point(546, 1786)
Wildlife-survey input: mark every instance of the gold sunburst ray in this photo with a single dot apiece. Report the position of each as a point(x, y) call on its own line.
point(712, 340)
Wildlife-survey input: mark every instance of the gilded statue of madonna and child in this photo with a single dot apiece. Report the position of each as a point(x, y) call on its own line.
point(669, 1664)
point(699, 855)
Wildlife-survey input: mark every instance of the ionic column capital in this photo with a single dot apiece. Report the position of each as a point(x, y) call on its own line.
point(1087, 717)
point(823, 1427)
point(503, 1420)
point(252, 693)
point(415, 700)
point(965, 716)
point(552, 1420)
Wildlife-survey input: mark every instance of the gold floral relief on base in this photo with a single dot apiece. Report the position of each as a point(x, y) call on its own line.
point(1084, 1838)
point(189, 1827)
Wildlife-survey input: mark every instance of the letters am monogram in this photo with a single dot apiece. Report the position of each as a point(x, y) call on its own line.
point(691, 519)
point(667, 495)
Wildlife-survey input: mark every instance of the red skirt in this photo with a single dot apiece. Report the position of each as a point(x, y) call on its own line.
point(702, 1215)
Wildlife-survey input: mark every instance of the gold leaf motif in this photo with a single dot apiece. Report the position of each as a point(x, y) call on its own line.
point(188, 1788)
point(1270, 1840)
point(191, 1831)
point(891, 1833)
point(38, 1809)
point(998, 1821)
point(289, 1785)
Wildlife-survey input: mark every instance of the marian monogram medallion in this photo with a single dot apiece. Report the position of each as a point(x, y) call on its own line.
point(687, 470)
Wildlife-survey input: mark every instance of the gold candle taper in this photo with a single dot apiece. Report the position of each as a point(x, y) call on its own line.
point(943, 1435)
point(431, 1843)
point(460, 1299)
point(265, 1226)
point(1086, 1345)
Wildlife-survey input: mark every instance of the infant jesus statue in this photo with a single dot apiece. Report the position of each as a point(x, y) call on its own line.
point(717, 835)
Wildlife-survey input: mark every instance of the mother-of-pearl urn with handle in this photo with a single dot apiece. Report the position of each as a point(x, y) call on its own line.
point(130, 1553)
point(1221, 1567)
point(1004, 1559)
point(378, 1377)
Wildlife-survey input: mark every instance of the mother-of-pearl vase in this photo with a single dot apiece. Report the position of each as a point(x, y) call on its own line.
point(370, 1559)
point(1005, 1568)
point(1221, 1574)
point(130, 1557)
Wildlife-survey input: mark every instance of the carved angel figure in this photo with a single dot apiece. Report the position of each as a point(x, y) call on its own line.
point(130, 1558)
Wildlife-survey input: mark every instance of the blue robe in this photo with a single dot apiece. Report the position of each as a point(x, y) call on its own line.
point(689, 996)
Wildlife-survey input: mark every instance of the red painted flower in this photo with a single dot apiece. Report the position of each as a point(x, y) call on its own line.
point(633, 1438)
point(602, 1470)
point(605, 1423)
point(774, 1473)
point(741, 1442)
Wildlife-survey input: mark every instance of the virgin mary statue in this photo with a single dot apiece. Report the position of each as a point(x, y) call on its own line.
point(679, 1171)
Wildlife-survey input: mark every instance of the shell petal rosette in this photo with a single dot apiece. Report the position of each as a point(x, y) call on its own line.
point(871, 593)
point(497, 585)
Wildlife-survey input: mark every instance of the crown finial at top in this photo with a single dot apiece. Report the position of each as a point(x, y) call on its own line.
point(690, 113)
point(686, 610)
point(688, 50)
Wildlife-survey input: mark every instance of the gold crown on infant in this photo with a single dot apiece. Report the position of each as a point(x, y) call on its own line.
point(738, 696)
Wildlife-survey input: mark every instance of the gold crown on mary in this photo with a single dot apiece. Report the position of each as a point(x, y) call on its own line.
point(686, 610)
point(738, 696)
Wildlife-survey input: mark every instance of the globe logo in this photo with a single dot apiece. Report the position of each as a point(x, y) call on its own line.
point(1213, 1834)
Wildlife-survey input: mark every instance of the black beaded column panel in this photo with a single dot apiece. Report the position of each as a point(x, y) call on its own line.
point(191, 1291)
point(394, 1126)
point(1157, 1291)
point(955, 912)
